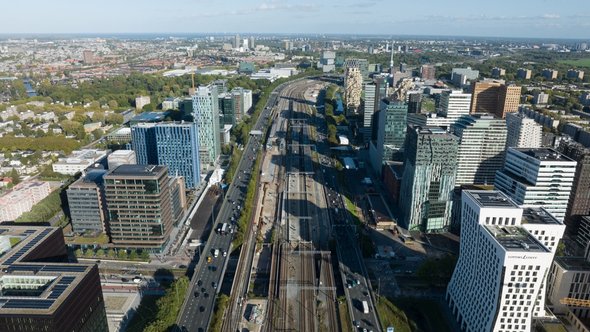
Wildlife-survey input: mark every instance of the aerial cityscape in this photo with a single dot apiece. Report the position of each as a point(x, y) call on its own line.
point(295, 166)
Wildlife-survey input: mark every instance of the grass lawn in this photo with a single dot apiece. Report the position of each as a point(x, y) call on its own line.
point(14, 241)
point(345, 322)
point(101, 239)
point(391, 315)
point(426, 315)
point(585, 62)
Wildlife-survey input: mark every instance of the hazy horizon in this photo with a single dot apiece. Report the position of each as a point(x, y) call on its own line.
point(542, 19)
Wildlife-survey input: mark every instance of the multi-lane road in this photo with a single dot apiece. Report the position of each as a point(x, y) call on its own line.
point(206, 281)
point(310, 211)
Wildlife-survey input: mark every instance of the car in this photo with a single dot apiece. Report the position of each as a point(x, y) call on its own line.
point(203, 289)
point(124, 280)
point(201, 308)
point(356, 323)
point(225, 252)
point(200, 282)
point(214, 285)
point(197, 294)
point(206, 295)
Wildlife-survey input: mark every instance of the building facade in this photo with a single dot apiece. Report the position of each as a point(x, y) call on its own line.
point(522, 131)
point(482, 139)
point(579, 200)
point(143, 142)
point(206, 116)
point(140, 206)
point(391, 132)
point(353, 85)
point(178, 148)
point(539, 177)
point(41, 291)
point(21, 199)
point(524, 74)
point(428, 178)
point(86, 202)
point(495, 97)
point(501, 268)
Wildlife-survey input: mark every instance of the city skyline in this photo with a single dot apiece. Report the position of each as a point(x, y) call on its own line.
point(526, 19)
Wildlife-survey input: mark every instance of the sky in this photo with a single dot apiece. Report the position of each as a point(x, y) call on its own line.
point(490, 18)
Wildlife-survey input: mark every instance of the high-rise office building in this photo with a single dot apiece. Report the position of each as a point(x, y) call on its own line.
point(522, 131)
point(86, 202)
point(373, 92)
point(427, 72)
point(539, 177)
point(175, 145)
point(41, 291)
point(491, 96)
point(140, 206)
point(414, 102)
point(242, 101)
point(502, 266)
point(482, 139)
point(391, 132)
point(429, 178)
point(452, 105)
point(143, 142)
point(178, 148)
point(252, 42)
point(236, 41)
point(226, 110)
point(206, 116)
point(579, 200)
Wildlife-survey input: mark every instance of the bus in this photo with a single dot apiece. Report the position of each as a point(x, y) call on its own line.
point(223, 229)
point(365, 307)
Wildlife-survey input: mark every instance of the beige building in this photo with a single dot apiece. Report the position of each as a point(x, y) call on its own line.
point(141, 101)
point(524, 74)
point(575, 74)
point(549, 74)
point(353, 86)
point(495, 97)
point(22, 198)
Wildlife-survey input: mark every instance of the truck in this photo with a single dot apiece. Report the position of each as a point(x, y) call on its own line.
point(365, 307)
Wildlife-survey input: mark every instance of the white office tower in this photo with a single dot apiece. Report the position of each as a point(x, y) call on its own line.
point(482, 139)
point(548, 230)
point(452, 106)
point(523, 132)
point(501, 267)
point(537, 177)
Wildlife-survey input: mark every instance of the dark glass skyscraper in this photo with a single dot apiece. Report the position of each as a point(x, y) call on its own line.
point(177, 147)
point(429, 178)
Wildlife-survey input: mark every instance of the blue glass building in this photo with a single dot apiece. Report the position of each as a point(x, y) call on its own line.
point(178, 148)
point(175, 145)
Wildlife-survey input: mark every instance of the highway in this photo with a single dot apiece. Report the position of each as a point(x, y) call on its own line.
point(199, 302)
point(352, 268)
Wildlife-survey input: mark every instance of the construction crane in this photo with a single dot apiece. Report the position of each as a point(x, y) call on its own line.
point(575, 302)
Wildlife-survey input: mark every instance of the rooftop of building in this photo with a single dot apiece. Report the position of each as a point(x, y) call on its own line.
point(150, 117)
point(122, 153)
point(515, 238)
point(537, 215)
point(542, 154)
point(573, 263)
point(137, 170)
point(491, 198)
point(91, 179)
point(28, 287)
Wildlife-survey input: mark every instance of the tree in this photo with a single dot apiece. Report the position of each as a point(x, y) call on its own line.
point(100, 252)
point(97, 133)
point(133, 255)
point(113, 104)
point(111, 253)
point(114, 118)
point(15, 176)
point(122, 254)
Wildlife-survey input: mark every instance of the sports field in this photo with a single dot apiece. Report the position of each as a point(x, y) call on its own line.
point(585, 62)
